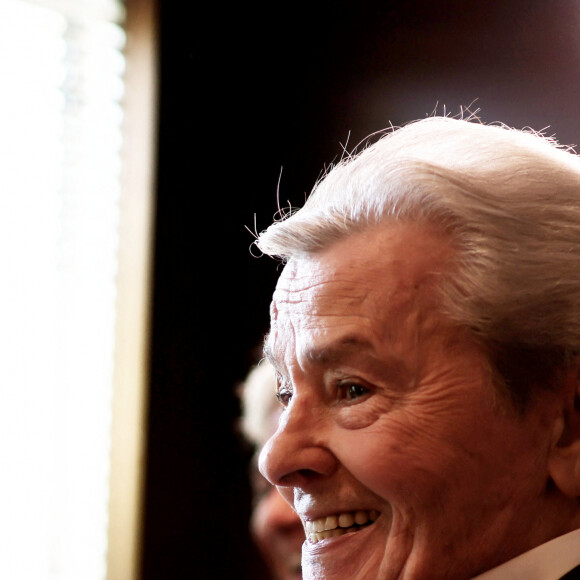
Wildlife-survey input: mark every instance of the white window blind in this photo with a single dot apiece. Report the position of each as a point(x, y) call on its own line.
point(61, 95)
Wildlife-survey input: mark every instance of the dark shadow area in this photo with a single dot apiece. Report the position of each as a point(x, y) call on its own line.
point(250, 93)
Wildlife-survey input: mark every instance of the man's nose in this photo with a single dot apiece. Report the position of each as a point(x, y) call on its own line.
point(299, 450)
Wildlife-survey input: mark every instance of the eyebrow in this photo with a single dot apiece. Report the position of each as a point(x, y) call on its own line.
point(269, 353)
point(334, 352)
point(343, 349)
point(325, 354)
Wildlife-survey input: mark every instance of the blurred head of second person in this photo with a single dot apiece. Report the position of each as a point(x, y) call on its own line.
point(275, 527)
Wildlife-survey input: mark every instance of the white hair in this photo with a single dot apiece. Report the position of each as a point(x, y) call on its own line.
point(510, 199)
point(260, 408)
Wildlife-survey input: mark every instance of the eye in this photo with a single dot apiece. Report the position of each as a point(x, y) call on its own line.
point(283, 390)
point(354, 391)
point(284, 395)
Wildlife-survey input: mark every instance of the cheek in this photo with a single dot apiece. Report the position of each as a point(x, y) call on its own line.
point(362, 416)
point(396, 462)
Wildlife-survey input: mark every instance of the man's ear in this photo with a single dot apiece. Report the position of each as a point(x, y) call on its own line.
point(564, 461)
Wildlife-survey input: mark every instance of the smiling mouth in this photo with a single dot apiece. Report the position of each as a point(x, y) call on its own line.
point(339, 524)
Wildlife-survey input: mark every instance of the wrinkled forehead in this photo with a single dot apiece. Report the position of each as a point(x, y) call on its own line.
point(313, 303)
point(284, 286)
point(372, 283)
point(301, 281)
point(303, 296)
point(382, 260)
point(321, 287)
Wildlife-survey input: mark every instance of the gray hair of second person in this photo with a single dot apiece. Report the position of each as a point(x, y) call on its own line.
point(508, 199)
point(259, 404)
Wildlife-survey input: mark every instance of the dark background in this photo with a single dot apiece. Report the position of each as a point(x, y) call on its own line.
point(246, 90)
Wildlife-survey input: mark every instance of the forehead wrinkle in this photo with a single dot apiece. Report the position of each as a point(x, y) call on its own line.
point(328, 298)
point(294, 293)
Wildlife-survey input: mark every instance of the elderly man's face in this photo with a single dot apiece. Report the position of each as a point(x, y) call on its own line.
point(393, 447)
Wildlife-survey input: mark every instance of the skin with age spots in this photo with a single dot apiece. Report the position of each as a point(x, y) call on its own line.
point(389, 407)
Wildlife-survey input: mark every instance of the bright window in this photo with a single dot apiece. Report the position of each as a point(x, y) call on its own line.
point(62, 65)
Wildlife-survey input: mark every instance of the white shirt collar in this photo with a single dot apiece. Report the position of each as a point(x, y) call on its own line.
point(549, 561)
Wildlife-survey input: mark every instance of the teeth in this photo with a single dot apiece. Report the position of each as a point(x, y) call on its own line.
point(331, 523)
point(316, 537)
point(345, 520)
point(337, 525)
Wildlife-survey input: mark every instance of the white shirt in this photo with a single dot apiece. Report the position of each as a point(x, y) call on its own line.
point(549, 561)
